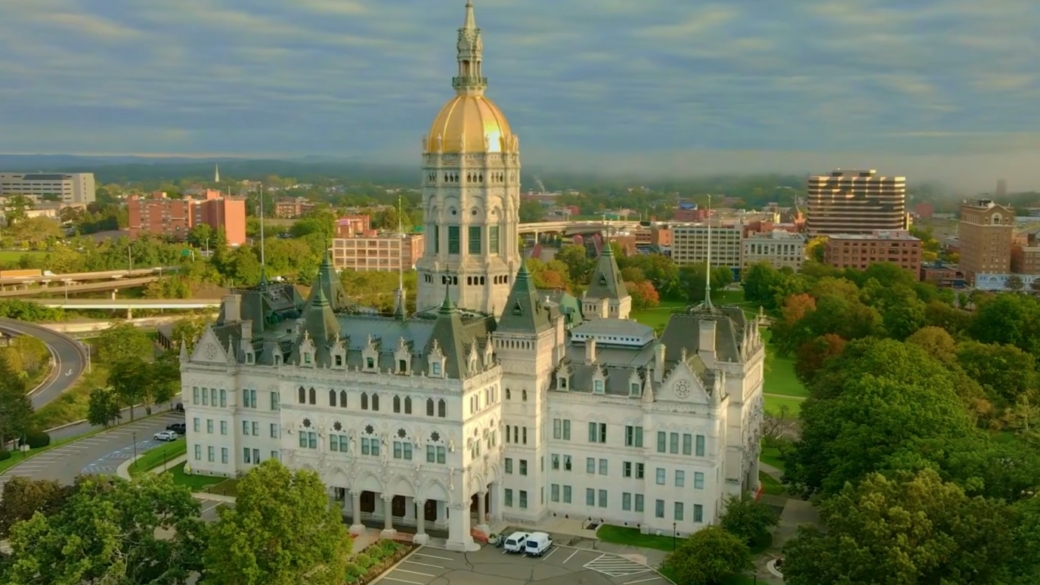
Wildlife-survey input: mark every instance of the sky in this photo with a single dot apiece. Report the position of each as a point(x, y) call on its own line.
point(928, 89)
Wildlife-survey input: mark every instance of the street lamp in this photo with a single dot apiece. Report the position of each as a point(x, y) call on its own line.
point(129, 258)
point(135, 446)
point(673, 535)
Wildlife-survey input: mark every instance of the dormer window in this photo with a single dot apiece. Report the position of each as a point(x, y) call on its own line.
point(339, 361)
point(633, 389)
point(597, 386)
point(436, 369)
point(307, 359)
point(370, 363)
point(402, 366)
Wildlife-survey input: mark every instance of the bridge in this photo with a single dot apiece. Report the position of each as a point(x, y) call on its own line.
point(64, 286)
point(128, 304)
point(82, 276)
point(571, 228)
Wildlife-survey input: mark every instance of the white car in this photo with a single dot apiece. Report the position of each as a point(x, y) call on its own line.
point(537, 543)
point(165, 436)
point(515, 542)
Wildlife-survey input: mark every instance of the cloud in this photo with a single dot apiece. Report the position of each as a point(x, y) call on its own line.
point(582, 81)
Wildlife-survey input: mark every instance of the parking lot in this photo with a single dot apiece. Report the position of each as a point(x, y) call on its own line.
point(559, 566)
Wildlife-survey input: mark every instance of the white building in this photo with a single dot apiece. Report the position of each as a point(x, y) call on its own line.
point(455, 417)
point(778, 248)
point(64, 187)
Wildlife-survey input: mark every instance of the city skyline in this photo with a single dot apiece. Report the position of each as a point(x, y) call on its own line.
point(654, 86)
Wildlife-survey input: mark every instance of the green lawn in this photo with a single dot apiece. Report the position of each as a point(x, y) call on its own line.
point(793, 404)
point(779, 373)
point(771, 456)
point(770, 485)
point(227, 487)
point(156, 456)
point(632, 537)
point(195, 483)
point(12, 257)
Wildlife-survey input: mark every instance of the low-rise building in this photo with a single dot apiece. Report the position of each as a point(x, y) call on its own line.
point(943, 275)
point(778, 248)
point(377, 252)
point(859, 251)
point(292, 207)
point(64, 187)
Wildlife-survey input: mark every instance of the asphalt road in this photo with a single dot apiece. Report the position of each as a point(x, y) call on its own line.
point(69, 357)
point(100, 454)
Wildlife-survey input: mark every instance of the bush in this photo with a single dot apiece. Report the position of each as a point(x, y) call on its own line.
point(37, 439)
point(364, 561)
point(4, 454)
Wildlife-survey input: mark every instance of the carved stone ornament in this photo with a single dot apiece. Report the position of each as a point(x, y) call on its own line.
point(211, 351)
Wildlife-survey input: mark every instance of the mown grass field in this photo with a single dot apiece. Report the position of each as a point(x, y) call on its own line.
point(156, 456)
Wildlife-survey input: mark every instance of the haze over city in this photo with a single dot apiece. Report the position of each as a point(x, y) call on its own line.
point(933, 90)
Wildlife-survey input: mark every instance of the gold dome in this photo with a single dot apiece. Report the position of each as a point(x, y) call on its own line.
point(470, 124)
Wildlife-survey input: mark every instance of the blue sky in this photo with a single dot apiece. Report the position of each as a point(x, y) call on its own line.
point(929, 87)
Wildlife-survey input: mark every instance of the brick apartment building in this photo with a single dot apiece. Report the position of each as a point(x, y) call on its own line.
point(157, 214)
point(358, 247)
point(861, 250)
point(292, 207)
point(985, 232)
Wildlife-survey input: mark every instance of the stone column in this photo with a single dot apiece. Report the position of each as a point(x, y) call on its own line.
point(356, 527)
point(388, 518)
point(420, 523)
point(482, 513)
point(753, 483)
point(459, 537)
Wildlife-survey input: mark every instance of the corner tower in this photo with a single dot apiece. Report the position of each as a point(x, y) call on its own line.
point(471, 192)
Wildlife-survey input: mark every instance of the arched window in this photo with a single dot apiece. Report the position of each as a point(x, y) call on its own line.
point(408, 405)
point(397, 404)
point(332, 398)
point(313, 396)
point(302, 395)
point(364, 401)
point(524, 395)
point(342, 398)
point(429, 407)
point(442, 409)
point(375, 401)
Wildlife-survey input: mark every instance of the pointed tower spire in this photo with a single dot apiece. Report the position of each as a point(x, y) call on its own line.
point(523, 312)
point(607, 286)
point(707, 268)
point(470, 80)
point(216, 173)
point(263, 257)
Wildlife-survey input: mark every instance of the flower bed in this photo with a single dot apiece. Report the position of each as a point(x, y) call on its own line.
point(375, 560)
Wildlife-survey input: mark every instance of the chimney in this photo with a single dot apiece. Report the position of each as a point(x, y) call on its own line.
point(232, 308)
point(659, 353)
point(706, 341)
point(590, 351)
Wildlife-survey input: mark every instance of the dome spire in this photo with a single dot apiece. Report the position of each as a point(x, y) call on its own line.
point(470, 80)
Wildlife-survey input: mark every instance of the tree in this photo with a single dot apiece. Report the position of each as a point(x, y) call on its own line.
point(936, 342)
point(748, 519)
point(123, 342)
point(1008, 319)
point(112, 531)
point(280, 532)
point(103, 407)
point(579, 265)
point(201, 236)
point(15, 407)
point(531, 211)
point(23, 497)
point(1014, 283)
point(707, 557)
point(812, 354)
point(913, 529)
point(129, 380)
point(1006, 373)
point(644, 296)
point(693, 280)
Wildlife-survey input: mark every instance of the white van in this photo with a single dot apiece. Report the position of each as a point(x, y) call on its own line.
point(515, 542)
point(537, 543)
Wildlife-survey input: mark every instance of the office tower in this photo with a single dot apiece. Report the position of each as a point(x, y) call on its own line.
point(63, 187)
point(856, 202)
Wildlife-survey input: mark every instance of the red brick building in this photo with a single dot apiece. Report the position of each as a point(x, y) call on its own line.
point(861, 250)
point(157, 214)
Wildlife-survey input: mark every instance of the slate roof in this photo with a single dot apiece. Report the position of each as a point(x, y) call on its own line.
point(524, 311)
point(682, 329)
point(606, 282)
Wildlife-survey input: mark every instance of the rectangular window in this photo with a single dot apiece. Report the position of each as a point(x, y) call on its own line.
point(557, 429)
point(590, 497)
point(590, 465)
point(509, 498)
point(523, 467)
point(566, 462)
point(566, 429)
point(660, 476)
point(274, 430)
point(453, 239)
point(223, 455)
point(630, 436)
point(256, 429)
point(602, 466)
point(198, 452)
point(493, 247)
point(626, 469)
point(659, 508)
point(303, 440)
point(602, 498)
point(639, 502)
point(662, 438)
point(436, 239)
point(566, 494)
point(195, 395)
point(195, 425)
point(673, 443)
point(523, 499)
point(333, 443)
point(442, 454)
point(687, 440)
point(213, 396)
point(639, 470)
point(554, 492)
point(245, 427)
point(397, 450)
point(223, 427)
point(211, 453)
point(205, 397)
point(678, 517)
point(431, 454)
point(312, 440)
point(247, 455)
point(639, 437)
point(209, 426)
point(555, 461)
point(474, 243)
point(509, 465)
point(525, 436)
point(597, 432)
point(700, 445)
point(223, 397)
point(276, 455)
point(626, 501)
point(698, 513)
point(680, 478)
point(698, 480)
point(274, 401)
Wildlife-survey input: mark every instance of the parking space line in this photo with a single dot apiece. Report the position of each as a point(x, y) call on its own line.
point(433, 557)
point(424, 564)
point(572, 556)
point(403, 581)
point(415, 573)
point(551, 553)
point(643, 580)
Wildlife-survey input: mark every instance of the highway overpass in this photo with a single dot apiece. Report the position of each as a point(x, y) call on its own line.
point(83, 276)
point(571, 228)
point(64, 286)
point(128, 304)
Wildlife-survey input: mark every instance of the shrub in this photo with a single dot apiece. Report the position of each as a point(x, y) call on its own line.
point(37, 439)
point(4, 454)
point(364, 561)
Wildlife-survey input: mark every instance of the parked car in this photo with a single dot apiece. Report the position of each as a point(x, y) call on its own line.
point(515, 542)
point(165, 436)
point(537, 543)
point(179, 428)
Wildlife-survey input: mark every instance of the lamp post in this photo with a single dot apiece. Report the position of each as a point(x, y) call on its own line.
point(129, 258)
point(673, 535)
point(135, 446)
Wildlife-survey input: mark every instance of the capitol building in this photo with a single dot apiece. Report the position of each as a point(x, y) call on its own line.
point(492, 403)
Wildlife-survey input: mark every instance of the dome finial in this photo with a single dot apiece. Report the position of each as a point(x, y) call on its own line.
point(471, 21)
point(470, 80)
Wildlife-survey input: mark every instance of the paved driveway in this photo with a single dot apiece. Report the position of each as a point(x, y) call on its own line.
point(560, 566)
point(101, 453)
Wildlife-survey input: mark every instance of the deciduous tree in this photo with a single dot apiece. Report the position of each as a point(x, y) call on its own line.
point(123, 342)
point(15, 407)
point(707, 557)
point(280, 532)
point(103, 407)
point(748, 519)
point(23, 497)
point(812, 354)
